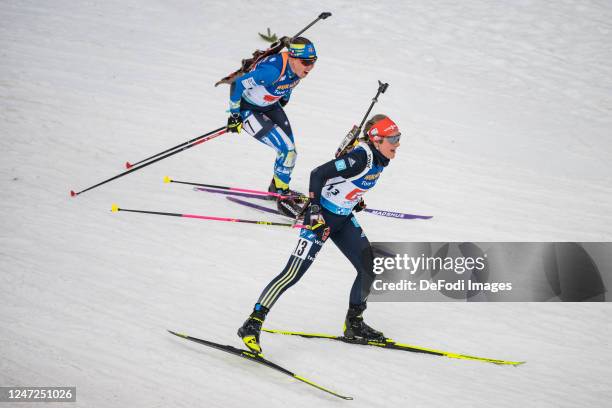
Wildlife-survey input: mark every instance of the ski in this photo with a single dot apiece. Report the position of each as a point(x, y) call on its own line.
point(382, 213)
point(248, 355)
point(390, 344)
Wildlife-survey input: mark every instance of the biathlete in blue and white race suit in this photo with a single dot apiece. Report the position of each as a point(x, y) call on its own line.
point(336, 190)
point(256, 105)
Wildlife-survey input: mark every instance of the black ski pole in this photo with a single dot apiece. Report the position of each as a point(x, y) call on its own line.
point(129, 165)
point(219, 132)
point(354, 132)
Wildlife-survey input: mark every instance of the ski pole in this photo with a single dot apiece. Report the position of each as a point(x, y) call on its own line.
point(129, 165)
point(242, 190)
point(115, 208)
point(207, 138)
point(354, 133)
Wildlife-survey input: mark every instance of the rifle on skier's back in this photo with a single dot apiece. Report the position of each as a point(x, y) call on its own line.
point(352, 137)
point(258, 55)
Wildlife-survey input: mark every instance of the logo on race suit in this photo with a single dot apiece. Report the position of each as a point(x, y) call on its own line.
point(372, 176)
point(325, 234)
point(271, 98)
point(340, 165)
point(351, 161)
point(288, 86)
point(365, 183)
point(308, 234)
point(249, 83)
point(354, 195)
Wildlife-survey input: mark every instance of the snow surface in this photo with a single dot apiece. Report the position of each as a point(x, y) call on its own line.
point(505, 109)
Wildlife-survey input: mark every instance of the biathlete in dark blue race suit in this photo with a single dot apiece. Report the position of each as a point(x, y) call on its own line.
point(256, 105)
point(336, 190)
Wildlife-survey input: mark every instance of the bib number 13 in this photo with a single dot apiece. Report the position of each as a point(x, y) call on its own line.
point(302, 248)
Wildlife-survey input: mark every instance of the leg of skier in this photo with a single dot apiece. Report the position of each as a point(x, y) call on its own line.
point(308, 246)
point(353, 243)
point(273, 129)
point(284, 143)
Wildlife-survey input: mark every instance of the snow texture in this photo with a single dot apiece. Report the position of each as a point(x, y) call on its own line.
point(505, 109)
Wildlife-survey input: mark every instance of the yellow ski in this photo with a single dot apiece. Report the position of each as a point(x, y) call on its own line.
point(249, 355)
point(390, 344)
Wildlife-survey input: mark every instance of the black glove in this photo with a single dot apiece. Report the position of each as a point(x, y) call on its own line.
point(360, 206)
point(314, 217)
point(234, 123)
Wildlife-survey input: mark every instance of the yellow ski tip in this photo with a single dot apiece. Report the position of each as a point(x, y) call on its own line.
point(167, 179)
point(178, 334)
point(114, 208)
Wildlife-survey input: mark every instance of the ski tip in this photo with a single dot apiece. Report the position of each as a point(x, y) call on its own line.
point(128, 165)
point(167, 179)
point(177, 334)
point(114, 208)
point(508, 363)
point(72, 193)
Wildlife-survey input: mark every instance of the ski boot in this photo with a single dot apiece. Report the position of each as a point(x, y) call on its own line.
point(291, 206)
point(250, 330)
point(356, 330)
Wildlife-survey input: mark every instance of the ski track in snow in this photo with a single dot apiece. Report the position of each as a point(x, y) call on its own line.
point(506, 114)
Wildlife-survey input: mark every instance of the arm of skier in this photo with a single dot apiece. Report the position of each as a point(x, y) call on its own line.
point(263, 75)
point(345, 166)
point(285, 99)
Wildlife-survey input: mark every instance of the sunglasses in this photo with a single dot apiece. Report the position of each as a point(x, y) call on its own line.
point(308, 62)
point(393, 139)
